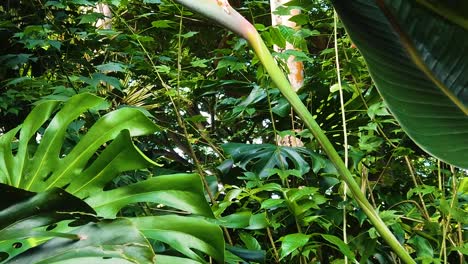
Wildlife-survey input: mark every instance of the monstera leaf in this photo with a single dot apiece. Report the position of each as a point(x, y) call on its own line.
point(46, 167)
point(419, 62)
point(28, 219)
point(105, 151)
point(42, 167)
point(115, 241)
point(184, 234)
point(264, 157)
point(181, 191)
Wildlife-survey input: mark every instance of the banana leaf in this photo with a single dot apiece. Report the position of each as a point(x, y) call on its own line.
point(418, 58)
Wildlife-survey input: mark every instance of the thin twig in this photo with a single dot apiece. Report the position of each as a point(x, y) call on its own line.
point(345, 133)
point(413, 177)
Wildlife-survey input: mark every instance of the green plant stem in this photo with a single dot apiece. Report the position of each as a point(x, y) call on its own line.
point(345, 133)
point(413, 177)
point(221, 12)
point(452, 205)
point(181, 123)
point(272, 242)
point(283, 85)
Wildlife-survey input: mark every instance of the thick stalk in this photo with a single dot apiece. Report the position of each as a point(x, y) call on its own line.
point(220, 11)
point(283, 85)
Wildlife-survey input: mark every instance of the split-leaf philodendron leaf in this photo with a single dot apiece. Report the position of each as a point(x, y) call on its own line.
point(55, 226)
point(43, 167)
point(40, 166)
point(108, 241)
point(419, 62)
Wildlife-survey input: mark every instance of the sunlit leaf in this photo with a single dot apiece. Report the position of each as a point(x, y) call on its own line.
point(105, 242)
point(292, 242)
point(184, 234)
point(342, 246)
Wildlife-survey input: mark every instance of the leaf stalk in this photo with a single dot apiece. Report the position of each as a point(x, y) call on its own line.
point(230, 18)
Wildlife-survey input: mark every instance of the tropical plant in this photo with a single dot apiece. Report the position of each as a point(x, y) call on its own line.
point(272, 188)
point(29, 221)
point(224, 14)
point(423, 82)
point(40, 162)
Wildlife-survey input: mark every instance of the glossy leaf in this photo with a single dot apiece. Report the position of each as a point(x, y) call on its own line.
point(20, 208)
point(164, 259)
point(422, 246)
point(181, 191)
point(292, 242)
point(264, 157)
point(28, 219)
point(42, 167)
point(47, 168)
point(121, 155)
point(252, 255)
point(25, 215)
point(342, 246)
point(419, 62)
point(114, 241)
point(184, 234)
point(244, 219)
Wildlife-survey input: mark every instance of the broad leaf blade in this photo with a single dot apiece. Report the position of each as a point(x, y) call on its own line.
point(23, 209)
point(244, 220)
point(184, 234)
point(48, 168)
point(16, 165)
point(181, 191)
point(7, 159)
point(265, 157)
point(116, 241)
point(342, 246)
point(46, 159)
point(252, 255)
point(419, 62)
point(164, 259)
point(292, 242)
point(105, 129)
point(121, 155)
point(24, 216)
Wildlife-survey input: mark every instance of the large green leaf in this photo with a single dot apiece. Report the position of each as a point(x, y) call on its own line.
point(29, 219)
point(164, 259)
point(265, 157)
point(181, 191)
point(121, 155)
point(25, 215)
point(102, 153)
point(46, 167)
point(419, 62)
point(244, 220)
point(116, 241)
point(184, 234)
point(292, 242)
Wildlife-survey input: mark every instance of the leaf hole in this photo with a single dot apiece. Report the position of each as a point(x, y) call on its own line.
point(4, 256)
point(71, 137)
point(47, 176)
point(51, 227)
point(17, 245)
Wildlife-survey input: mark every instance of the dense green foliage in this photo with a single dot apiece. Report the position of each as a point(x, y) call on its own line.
point(219, 115)
point(34, 222)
